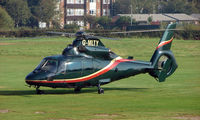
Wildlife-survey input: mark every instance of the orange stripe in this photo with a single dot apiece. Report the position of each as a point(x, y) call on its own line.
point(165, 42)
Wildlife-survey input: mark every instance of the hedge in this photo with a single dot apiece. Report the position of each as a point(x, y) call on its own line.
point(22, 33)
point(189, 34)
point(186, 35)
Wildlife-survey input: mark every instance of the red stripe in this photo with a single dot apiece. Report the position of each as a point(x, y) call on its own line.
point(164, 43)
point(125, 60)
point(89, 77)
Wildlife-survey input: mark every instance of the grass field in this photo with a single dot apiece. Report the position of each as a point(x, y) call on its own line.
point(135, 98)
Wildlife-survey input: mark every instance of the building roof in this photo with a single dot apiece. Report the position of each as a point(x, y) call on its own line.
point(195, 16)
point(144, 17)
point(161, 17)
point(182, 17)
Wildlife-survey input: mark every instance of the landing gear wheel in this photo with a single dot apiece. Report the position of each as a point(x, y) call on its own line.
point(38, 91)
point(100, 90)
point(77, 90)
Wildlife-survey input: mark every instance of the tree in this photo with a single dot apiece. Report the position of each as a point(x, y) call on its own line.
point(105, 21)
point(196, 3)
point(138, 6)
point(33, 4)
point(92, 20)
point(122, 7)
point(143, 6)
point(45, 11)
point(150, 19)
point(33, 21)
point(6, 21)
point(2, 2)
point(123, 22)
point(177, 6)
point(156, 6)
point(190, 8)
point(19, 11)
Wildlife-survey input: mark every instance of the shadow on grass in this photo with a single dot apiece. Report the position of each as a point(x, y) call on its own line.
point(67, 91)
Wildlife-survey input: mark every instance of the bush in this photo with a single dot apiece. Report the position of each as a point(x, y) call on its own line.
point(71, 26)
point(189, 34)
point(28, 32)
point(6, 22)
point(184, 34)
point(22, 33)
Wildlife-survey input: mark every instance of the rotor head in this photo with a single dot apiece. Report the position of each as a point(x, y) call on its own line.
point(80, 34)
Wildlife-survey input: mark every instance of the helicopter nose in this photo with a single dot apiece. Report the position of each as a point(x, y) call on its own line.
point(38, 76)
point(30, 76)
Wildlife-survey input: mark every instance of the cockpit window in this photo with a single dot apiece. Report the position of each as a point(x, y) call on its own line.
point(48, 65)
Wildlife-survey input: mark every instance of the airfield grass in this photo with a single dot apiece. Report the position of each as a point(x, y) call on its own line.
point(135, 98)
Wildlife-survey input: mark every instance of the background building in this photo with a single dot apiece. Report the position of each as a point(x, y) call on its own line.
point(73, 11)
point(178, 17)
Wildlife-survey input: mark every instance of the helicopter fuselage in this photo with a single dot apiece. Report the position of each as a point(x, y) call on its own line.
point(79, 71)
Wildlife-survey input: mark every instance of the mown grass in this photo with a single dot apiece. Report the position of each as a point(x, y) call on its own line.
point(134, 98)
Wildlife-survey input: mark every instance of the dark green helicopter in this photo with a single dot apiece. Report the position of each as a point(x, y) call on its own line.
point(87, 62)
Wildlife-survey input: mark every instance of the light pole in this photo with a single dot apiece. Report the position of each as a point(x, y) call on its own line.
point(131, 15)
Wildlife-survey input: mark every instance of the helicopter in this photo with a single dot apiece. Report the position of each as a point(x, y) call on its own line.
point(88, 63)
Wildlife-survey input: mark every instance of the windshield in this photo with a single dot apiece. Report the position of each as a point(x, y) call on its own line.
point(48, 65)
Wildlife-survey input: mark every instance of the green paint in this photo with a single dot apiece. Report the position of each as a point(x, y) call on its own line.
point(84, 63)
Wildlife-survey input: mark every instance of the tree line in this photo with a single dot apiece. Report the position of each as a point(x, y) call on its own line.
point(156, 6)
point(105, 22)
point(18, 13)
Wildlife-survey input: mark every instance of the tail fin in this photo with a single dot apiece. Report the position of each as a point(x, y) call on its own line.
point(163, 60)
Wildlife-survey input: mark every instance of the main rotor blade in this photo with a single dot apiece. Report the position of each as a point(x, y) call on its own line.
point(143, 31)
point(97, 35)
point(107, 38)
point(61, 33)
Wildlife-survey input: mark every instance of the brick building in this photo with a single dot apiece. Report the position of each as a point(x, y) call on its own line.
point(73, 11)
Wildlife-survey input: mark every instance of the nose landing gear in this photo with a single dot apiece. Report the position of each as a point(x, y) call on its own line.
point(77, 89)
point(38, 91)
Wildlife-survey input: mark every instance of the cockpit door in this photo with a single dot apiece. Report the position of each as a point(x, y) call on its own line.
point(73, 69)
point(88, 67)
